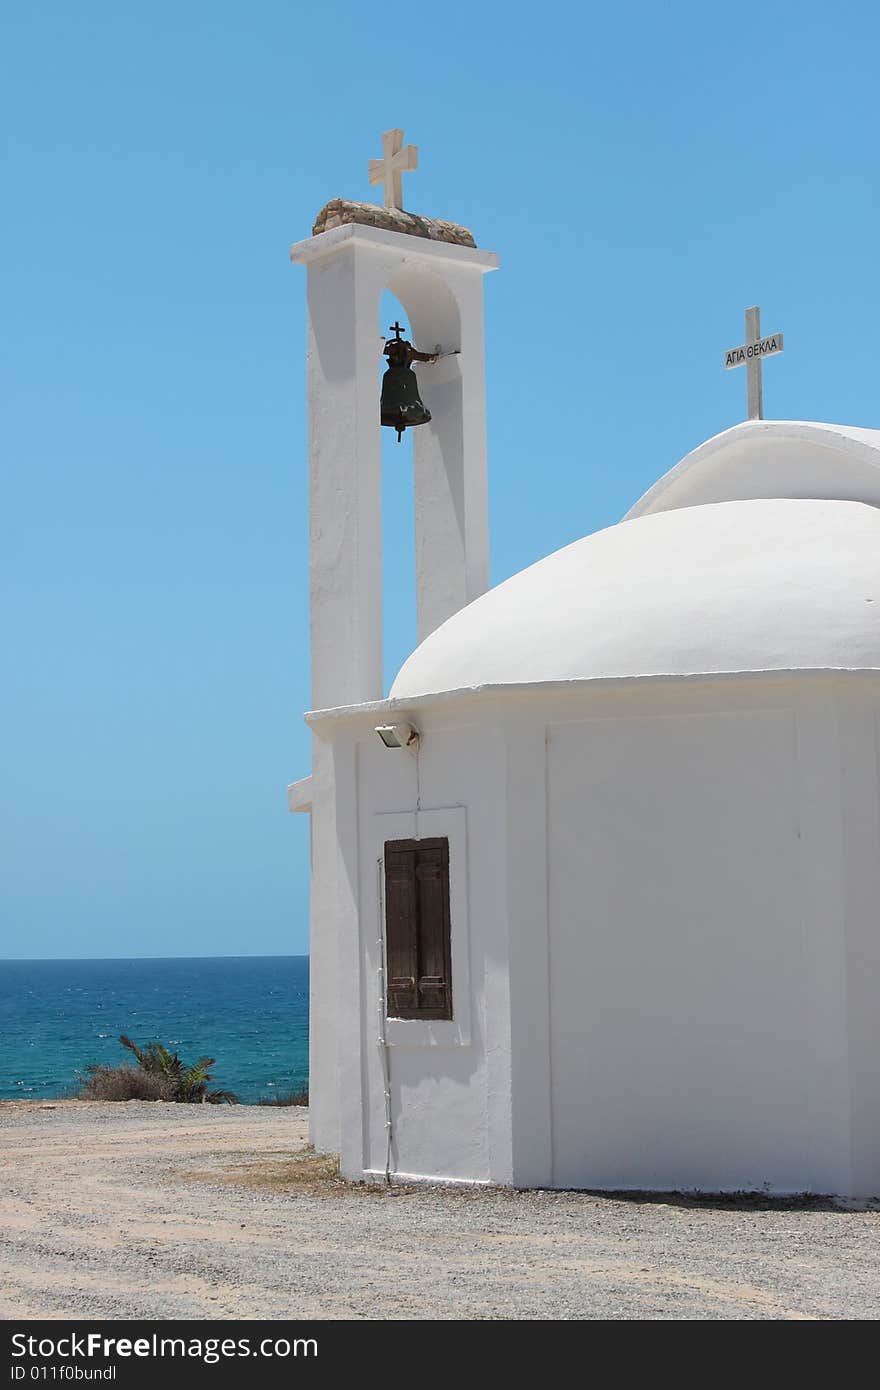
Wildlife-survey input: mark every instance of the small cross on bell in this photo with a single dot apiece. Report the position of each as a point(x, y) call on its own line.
point(402, 407)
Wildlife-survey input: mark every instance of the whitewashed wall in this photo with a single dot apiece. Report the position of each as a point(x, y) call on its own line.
point(445, 1096)
point(666, 916)
point(678, 979)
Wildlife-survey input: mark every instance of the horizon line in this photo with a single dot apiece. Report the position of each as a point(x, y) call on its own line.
point(70, 960)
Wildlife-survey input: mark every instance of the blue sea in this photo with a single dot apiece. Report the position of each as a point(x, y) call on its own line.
point(249, 1012)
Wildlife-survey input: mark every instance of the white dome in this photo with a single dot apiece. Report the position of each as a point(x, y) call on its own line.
point(772, 458)
point(753, 585)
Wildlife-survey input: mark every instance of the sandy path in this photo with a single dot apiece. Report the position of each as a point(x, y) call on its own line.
point(142, 1210)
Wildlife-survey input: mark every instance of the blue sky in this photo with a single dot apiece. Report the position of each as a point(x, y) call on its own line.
point(645, 171)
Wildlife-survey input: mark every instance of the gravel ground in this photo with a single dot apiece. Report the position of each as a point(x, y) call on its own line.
point(160, 1211)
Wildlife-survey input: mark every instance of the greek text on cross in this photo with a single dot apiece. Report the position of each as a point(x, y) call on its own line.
point(750, 355)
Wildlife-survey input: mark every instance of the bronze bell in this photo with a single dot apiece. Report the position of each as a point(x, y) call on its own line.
point(402, 406)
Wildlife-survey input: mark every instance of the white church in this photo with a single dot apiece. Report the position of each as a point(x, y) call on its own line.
point(595, 895)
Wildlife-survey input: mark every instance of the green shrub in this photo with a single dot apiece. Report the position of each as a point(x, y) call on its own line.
point(187, 1084)
point(159, 1075)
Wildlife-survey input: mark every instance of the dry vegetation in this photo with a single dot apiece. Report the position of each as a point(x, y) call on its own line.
point(301, 1173)
point(299, 1097)
point(307, 1173)
point(123, 1083)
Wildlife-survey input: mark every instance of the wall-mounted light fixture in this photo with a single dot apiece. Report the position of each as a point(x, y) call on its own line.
point(399, 736)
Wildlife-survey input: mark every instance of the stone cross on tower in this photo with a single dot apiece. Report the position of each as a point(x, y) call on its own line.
point(750, 355)
point(395, 161)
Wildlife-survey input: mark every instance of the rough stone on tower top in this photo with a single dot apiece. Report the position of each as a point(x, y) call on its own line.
point(340, 211)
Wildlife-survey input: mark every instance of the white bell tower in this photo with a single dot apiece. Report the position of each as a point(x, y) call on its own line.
point(361, 251)
point(357, 251)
